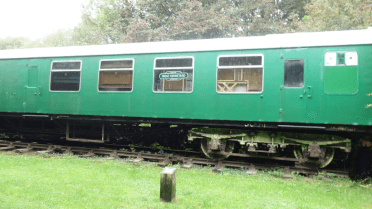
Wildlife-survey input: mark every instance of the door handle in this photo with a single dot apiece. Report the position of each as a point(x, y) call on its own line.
point(309, 92)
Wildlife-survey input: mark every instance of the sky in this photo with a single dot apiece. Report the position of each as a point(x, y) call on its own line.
point(37, 18)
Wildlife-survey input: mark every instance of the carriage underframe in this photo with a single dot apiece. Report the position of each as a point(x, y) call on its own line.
point(309, 149)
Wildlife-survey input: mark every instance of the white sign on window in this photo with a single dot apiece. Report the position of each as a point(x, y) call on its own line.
point(351, 58)
point(330, 59)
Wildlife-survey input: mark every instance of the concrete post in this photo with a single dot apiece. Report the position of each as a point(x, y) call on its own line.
point(168, 185)
point(287, 172)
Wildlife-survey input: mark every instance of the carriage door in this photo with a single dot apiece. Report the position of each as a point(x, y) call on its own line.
point(32, 88)
point(293, 87)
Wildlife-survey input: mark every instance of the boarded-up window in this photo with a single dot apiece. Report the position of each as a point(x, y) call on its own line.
point(116, 75)
point(174, 74)
point(65, 76)
point(241, 73)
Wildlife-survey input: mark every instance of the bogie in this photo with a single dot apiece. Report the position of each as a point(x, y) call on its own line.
point(314, 150)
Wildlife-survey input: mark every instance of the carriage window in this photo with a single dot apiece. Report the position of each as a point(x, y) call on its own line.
point(240, 74)
point(65, 76)
point(294, 73)
point(174, 74)
point(341, 59)
point(340, 73)
point(116, 75)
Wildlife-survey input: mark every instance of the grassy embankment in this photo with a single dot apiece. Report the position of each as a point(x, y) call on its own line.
point(29, 181)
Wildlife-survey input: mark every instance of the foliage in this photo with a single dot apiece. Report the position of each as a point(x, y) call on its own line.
point(156, 145)
point(109, 21)
point(123, 21)
point(332, 15)
point(105, 21)
point(59, 38)
point(4, 136)
point(260, 17)
point(289, 7)
point(13, 42)
point(198, 22)
point(55, 39)
point(296, 175)
point(369, 105)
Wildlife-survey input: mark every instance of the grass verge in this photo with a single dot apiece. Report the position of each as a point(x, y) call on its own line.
point(65, 181)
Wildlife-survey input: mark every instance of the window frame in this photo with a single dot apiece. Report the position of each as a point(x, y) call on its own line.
point(242, 66)
point(324, 66)
point(303, 79)
point(64, 70)
point(112, 69)
point(174, 68)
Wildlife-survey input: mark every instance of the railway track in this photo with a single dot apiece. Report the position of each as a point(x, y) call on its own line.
point(112, 152)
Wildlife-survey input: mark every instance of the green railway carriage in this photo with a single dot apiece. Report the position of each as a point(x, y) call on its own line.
point(249, 91)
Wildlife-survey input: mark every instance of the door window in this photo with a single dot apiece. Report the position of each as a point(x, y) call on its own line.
point(294, 73)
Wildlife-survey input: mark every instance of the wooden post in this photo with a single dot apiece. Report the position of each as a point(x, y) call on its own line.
point(168, 185)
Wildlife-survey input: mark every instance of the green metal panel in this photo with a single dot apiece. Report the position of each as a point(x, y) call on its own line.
point(341, 80)
point(31, 103)
point(11, 79)
point(32, 76)
point(350, 109)
point(293, 99)
point(31, 89)
point(315, 105)
point(204, 102)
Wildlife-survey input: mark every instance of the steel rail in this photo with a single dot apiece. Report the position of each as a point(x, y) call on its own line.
point(22, 147)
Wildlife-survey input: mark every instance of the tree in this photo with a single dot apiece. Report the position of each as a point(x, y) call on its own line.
point(55, 39)
point(13, 42)
point(197, 22)
point(118, 21)
point(115, 21)
point(260, 17)
point(140, 30)
point(291, 7)
point(105, 21)
point(60, 38)
point(332, 15)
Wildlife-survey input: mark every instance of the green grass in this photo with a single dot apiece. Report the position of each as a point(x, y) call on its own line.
point(29, 181)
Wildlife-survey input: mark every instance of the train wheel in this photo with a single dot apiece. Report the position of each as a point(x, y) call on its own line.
point(217, 154)
point(326, 157)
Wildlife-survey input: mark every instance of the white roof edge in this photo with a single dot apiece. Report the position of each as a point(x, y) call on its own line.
point(288, 40)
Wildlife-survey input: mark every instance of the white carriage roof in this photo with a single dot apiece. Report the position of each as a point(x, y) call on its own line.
point(289, 40)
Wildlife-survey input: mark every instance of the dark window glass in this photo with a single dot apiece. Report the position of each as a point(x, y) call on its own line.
point(66, 65)
point(239, 61)
point(65, 81)
point(183, 62)
point(294, 73)
point(340, 58)
point(116, 64)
